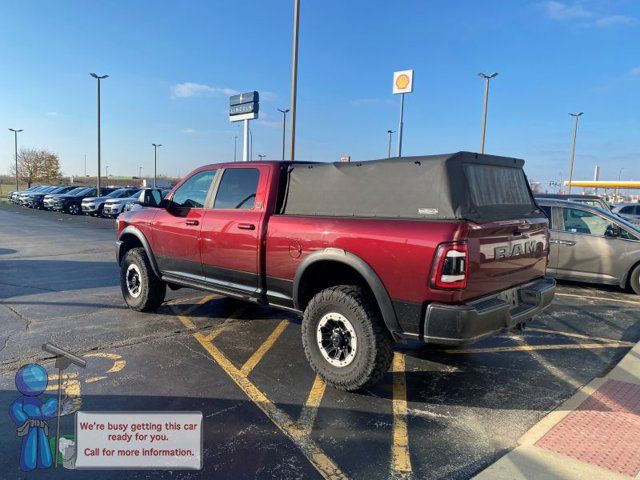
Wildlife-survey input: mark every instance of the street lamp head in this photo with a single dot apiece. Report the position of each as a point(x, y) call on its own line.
point(484, 75)
point(156, 145)
point(98, 76)
point(286, 110)
point(391, 131)
point(577, 114)
point(14, 130)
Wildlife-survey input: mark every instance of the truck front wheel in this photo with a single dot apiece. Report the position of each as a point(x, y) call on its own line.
point(141, 288)
point(344, 338)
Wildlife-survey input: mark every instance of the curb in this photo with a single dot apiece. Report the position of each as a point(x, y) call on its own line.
point(529, 461)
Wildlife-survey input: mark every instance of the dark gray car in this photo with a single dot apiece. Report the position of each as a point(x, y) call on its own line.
point(591, 245)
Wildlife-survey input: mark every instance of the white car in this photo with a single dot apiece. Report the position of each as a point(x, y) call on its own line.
point(114, 207)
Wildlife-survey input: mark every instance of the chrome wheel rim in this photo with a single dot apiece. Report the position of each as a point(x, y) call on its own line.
point(133, 280)
point(336, 339)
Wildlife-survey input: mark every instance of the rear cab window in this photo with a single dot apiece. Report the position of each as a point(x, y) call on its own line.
point(238, 188)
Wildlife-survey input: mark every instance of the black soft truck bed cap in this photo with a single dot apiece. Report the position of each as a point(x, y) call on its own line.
point(458, 186)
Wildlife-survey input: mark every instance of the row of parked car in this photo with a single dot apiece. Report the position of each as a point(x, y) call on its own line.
point(76, 200)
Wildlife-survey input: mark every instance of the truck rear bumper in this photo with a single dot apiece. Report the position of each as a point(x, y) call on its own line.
point(473, 321)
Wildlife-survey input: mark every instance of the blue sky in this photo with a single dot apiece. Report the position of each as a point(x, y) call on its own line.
point(172, 66)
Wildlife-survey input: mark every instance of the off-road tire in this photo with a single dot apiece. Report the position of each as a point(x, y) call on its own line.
point(374, 351)
point(152, 289)
point(634, 280)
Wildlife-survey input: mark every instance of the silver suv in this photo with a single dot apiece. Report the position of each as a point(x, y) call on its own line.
point(590, 245)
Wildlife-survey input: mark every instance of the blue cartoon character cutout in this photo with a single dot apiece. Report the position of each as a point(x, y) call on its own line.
point(30, 414)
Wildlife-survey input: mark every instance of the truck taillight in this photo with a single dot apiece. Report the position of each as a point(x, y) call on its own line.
point(451, 266)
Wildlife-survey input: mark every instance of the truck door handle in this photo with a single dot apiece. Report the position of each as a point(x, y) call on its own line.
point(192, 222)
point(246, 226)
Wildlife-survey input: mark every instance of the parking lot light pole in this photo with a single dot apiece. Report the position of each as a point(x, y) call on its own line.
point(107, 172)
point(261, 156)
point(15, 138)
point(485, 105)
point(235, 147)
point(576, 117)
point(284, 129)
point(294, 77)
point(98, 77)
point(155, 162)
point(390, 132)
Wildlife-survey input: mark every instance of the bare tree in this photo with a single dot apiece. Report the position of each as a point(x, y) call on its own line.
point(37, 165)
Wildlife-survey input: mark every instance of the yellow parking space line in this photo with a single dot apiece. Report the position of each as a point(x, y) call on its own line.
point(217, 331)
point(400, 460)
point(603, 299)
point(325, 466)
point(532, 348)
point(200, 302)
point(264, 348)
point(310, 409)
point(579, 335)
point(311, 450)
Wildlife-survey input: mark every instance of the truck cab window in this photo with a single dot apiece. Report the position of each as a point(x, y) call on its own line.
point(237, 189)
point(193, 192)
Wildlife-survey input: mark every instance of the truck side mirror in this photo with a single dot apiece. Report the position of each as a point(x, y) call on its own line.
point(151, 197)
point(612, 231)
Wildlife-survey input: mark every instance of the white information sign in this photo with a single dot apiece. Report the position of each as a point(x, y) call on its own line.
point(143, 440)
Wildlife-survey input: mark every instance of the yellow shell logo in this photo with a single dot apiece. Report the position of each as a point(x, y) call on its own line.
point(403, 81)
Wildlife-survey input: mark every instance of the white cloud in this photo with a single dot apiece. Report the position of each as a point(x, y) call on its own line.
point(191, 131)
point(269, 123)
point(53, 114)
point(614, 21)
point(563, 11)
point(635, 72)
point(268, 96)
point(191, 89)
point(577, 12)
point(365, 101)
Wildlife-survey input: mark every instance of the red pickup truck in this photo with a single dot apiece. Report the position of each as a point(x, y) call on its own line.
point(446, 249)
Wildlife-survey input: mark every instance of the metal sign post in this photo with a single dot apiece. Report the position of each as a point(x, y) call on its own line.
point(244, 107)
point(402, 83)
point(64, 360)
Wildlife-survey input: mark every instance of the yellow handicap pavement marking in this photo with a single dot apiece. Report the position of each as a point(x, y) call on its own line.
point(602, 299)
point(580, 335)
point(300, 437)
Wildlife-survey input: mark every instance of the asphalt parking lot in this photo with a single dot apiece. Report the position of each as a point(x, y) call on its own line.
point(442, 413)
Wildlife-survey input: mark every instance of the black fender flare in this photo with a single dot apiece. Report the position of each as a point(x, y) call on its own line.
point(375, 284)
point(131, 230)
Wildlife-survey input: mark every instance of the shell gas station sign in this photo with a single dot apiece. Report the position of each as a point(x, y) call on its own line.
point(403, 81)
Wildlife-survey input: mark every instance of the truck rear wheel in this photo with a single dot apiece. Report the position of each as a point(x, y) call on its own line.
point(141, 288)
point(344, 339)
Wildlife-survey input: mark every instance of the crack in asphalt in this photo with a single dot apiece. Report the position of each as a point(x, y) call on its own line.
point(25, 319)
point(145, 340)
